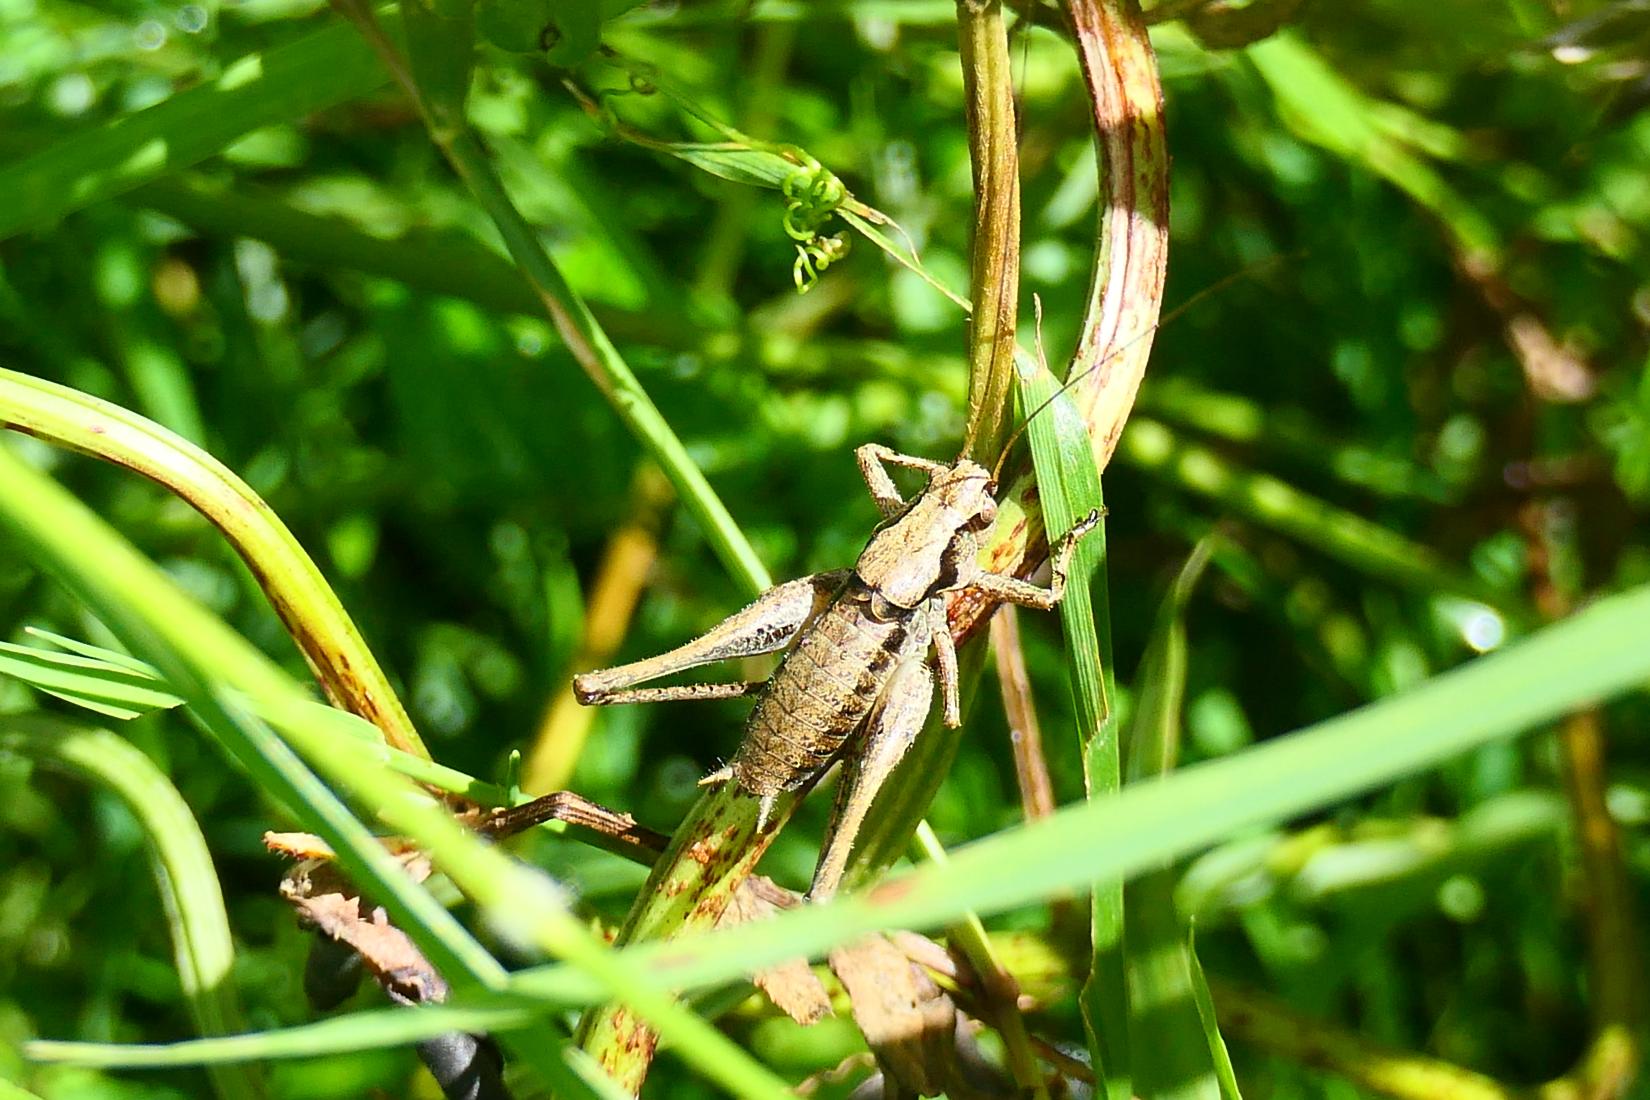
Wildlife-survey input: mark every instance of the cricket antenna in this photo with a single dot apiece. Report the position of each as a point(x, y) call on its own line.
point(1247, 272)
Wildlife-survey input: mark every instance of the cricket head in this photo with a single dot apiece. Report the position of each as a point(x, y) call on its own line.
point(931, 546)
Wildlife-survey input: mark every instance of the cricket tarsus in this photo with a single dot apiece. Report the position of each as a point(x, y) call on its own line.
point(857, 680)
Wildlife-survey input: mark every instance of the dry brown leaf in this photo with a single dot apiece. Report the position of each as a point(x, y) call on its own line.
point(309, 846)
point(909, 1022)
point(326, 902)
point(792, 985)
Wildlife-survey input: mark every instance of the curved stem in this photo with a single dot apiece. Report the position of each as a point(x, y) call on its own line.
point(1126, 295)
point(341, 660)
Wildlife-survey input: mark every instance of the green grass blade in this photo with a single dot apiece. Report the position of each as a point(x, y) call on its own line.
point(568, 311)
point(970, 938)
point(1345, 536)
point(1600, 652)
point(326, 68)
point(1325, 108)
point(368, 1030)
point(1177, 1063)
point(566, 1067)
point(1293, 434)
point(120, 686)
point(901, 254)
point(184, 874)
point(113, 690)
point(1068, 487)
point(215, 671)
point(95, 652)
point(1225, 1075)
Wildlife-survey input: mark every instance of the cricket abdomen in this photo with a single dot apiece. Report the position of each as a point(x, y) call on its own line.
point(822, 693)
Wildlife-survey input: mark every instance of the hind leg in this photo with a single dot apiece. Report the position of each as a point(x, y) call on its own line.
point(887, 735)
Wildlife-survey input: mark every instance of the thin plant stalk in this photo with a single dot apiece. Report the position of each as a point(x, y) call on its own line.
point(994, 252)
point(1000, 992)
point(442, 110)
point(1024, 731)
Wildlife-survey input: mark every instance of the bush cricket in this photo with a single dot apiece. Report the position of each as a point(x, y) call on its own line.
point(856, 682)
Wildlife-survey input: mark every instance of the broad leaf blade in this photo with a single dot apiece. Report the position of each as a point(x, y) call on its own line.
point(1164, 980)
point(1068, 488)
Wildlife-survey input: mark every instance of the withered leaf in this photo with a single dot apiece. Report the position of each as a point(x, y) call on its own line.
point(308, 846)
point(792, 985)
point(909, 1022)
point(324, 901)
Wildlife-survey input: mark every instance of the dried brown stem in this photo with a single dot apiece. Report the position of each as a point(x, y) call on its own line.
point(1615, 959)
point(1614, 951)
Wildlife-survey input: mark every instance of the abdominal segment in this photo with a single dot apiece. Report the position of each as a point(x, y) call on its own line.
point(821, 694)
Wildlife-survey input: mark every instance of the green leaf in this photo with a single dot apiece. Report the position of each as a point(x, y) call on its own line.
point(1225, 1075)
point(111, 688)
point(1068, 487)
point(95, 652)
point(229, 687)
point(1597, 653)
point(367, 1030)
point(1177, 1062)
point(1336, 532)
point(1323, 107)
point(187, 880)
point(306, 603)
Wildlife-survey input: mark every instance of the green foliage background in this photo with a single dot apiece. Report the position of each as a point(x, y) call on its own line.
point(322, 308)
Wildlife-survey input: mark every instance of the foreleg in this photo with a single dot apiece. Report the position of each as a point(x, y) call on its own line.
point(1026, 594)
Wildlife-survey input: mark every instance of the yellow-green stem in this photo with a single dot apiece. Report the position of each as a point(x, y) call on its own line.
point(994, 261)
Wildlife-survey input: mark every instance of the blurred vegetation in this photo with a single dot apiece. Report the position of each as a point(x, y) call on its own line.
point(1420, 421)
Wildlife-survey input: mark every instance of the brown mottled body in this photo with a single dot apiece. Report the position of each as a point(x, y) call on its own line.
point(857, 679)
point(830, 681)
